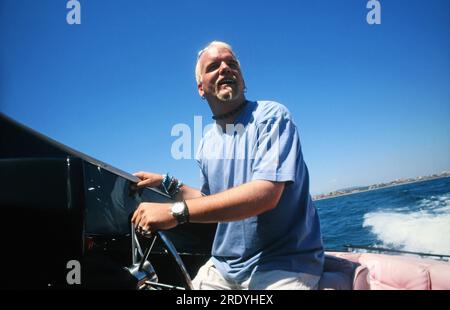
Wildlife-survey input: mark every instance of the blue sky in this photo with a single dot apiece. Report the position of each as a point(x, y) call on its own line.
point(372, 102)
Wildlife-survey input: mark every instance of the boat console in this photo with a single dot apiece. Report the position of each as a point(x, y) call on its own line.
point(66, 222)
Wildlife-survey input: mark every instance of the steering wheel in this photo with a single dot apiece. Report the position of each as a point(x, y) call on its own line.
point(143, 270)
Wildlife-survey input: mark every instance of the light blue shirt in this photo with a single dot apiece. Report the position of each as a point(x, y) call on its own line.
point(263, 144)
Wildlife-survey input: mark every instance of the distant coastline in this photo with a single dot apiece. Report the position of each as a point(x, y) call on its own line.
point(361, 189)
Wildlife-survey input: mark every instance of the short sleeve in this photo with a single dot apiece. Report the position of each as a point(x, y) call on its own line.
point(277, 150)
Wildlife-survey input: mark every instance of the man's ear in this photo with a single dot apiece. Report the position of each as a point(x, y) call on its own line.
point(201, 92)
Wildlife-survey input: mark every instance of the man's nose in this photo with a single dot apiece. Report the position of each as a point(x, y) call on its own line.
point(224, 68)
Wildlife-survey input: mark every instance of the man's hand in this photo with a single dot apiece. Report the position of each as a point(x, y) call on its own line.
point(148, 179)
point(154, 216)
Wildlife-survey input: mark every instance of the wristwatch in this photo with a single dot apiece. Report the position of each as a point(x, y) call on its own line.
point(180, 212)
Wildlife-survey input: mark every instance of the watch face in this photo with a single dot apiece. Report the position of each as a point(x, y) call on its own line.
point(178, 208)
point(180, 212)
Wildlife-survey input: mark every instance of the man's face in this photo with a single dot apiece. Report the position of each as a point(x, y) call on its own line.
point(221, 75)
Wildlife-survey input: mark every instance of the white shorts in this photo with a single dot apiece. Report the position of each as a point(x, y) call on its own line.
point(209, 278)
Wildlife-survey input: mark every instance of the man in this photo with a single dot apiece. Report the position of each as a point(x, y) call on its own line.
point(255, 186)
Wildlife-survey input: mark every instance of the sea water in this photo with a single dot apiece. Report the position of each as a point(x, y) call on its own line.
point(409, 217)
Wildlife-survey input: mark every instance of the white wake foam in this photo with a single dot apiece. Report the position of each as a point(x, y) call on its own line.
point(426, 230)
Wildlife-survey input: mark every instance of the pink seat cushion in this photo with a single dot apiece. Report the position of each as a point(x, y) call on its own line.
point(384, 272)
point(440, 276)
point(396, 272)
point(361, 279)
